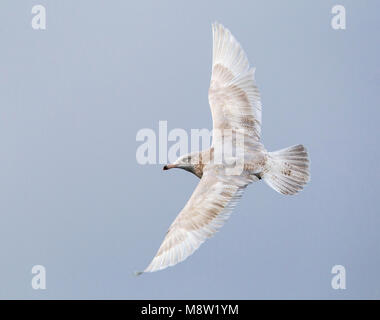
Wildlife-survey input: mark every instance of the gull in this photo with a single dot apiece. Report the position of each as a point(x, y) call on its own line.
point(236, 113)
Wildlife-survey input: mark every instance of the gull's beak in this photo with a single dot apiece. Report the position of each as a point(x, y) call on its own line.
point(169, 166)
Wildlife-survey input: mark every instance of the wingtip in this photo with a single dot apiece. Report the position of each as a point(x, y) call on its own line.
point(217, 25)
point(213, 26)
point(138, 273)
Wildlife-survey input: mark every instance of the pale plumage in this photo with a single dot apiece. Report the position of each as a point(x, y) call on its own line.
point(236, 108)
point(233, 96)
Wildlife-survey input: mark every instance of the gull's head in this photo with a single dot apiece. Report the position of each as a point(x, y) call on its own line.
point(189, 162)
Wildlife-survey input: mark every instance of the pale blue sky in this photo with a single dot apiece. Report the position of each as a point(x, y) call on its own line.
point(74, 199)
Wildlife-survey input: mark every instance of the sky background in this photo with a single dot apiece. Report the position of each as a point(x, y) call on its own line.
point(74, 199)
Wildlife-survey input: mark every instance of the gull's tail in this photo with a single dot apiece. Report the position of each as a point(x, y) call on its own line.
point(287, 170)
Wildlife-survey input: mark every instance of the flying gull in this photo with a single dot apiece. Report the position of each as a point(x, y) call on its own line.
point(236, 112)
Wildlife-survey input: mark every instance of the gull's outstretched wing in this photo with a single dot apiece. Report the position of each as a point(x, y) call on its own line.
point(233, 96)
point(206, 211)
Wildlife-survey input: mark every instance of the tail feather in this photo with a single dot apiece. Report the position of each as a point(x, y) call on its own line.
point(287, 170)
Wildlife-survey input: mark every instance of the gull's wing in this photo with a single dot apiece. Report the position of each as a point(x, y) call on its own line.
point(233, 96)
point(206, 211)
